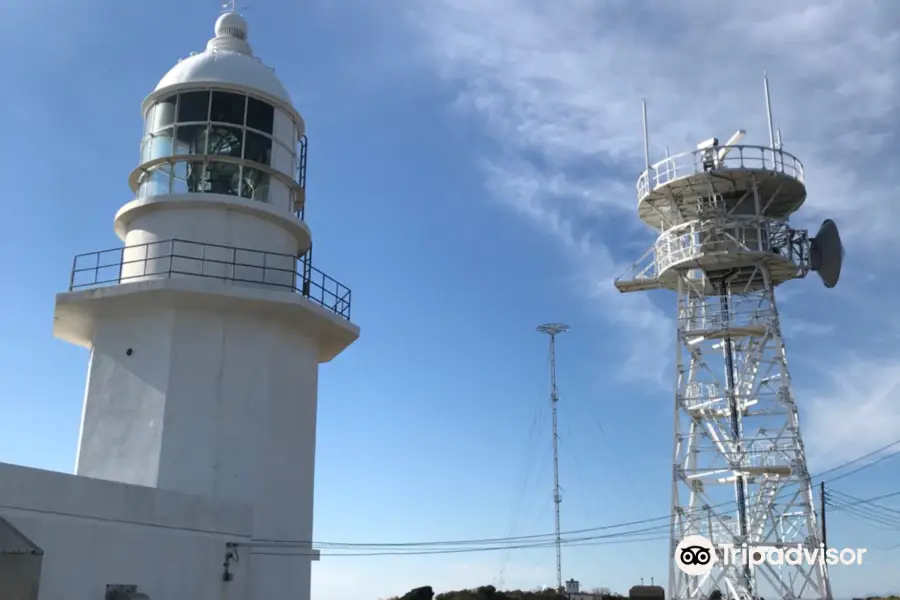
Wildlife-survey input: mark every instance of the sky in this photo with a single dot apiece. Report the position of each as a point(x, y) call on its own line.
point(471, 175)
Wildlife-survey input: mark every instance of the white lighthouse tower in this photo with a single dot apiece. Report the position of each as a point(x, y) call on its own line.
point(207, 328)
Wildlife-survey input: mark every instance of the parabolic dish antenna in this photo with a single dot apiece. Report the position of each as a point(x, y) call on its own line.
point(826, 253)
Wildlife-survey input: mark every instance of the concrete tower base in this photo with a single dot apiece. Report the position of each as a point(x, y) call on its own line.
point(208, 388)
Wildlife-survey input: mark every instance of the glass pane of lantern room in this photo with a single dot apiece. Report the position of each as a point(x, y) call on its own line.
point(260, 116)
point(258, 148)
point(193, 107)
point(155, 182)
point(223, 178)
point(227, 108)
point(148, 120)
point(160, 144)
point(187, 177)
point(195, 181)
point(225, 141)
point(162, 114)
point(255, 185)
point(190, 139)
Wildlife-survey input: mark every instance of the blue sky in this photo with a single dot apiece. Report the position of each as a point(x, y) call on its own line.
point(471, 175)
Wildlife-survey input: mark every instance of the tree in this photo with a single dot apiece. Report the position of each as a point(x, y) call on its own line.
point(420, 593)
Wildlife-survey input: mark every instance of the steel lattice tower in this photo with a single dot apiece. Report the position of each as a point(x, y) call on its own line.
point(553, 329)
point(739, 472)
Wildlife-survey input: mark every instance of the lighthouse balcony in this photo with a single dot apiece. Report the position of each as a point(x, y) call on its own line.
point(181, 259)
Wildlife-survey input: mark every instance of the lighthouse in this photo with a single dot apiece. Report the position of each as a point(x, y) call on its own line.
point(207, 326)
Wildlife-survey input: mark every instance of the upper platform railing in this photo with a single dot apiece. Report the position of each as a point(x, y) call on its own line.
point(170, 259)
point(699, 161)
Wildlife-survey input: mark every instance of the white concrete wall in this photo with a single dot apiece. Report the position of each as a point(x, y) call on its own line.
point(214, 403)
point(122, 427)
point(213, 225)
point(94, 533)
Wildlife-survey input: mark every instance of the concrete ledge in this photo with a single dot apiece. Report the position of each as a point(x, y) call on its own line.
point(76, 312)
point(49, 492)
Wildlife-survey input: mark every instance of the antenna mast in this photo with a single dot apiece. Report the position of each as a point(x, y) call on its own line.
point(739, 471)
point(552, 329)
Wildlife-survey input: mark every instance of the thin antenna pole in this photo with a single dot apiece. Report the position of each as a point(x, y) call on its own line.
point(552, 329)
point(646, 142)
point(769, 111)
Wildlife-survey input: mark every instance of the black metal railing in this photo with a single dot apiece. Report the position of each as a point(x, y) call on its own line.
point(302, 150)
point(180, 258)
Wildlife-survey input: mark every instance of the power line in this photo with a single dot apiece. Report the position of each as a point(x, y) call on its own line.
point(647, 534)
point(865, 515)
point(867, 509)
point(870, 464)
point(640, 535)
point(585, 543)
point(666, 518)
point(862, 511)
point(869, 501)
point(545, 540)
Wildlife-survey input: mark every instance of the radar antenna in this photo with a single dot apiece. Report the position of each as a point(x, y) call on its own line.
point(826, 253)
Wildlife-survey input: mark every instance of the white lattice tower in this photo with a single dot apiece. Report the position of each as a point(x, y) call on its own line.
point(739, 469)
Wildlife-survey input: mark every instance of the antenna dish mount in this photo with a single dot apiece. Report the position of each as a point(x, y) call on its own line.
point(826, 253)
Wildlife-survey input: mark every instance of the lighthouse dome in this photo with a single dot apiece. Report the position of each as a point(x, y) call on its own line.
point(227, 60)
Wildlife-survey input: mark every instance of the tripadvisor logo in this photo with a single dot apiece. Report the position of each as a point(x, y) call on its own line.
point(696, 555)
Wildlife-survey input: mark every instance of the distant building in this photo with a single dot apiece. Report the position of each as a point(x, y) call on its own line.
point(646, 592)
point(573, 591)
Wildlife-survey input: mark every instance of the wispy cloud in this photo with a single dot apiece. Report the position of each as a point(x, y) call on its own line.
point(857, 411)
point(561, 88)
point(795, 326)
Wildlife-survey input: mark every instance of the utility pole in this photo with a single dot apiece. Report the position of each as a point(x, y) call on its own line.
point(552, 329)
point(822, 501)
point(828, 593)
